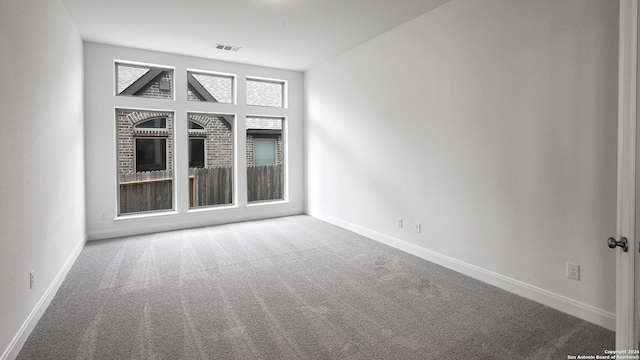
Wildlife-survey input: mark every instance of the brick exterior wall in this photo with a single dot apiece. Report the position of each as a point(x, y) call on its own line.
point(127, 120)
point(191, 96)
point(154, 91)
point(218, 139)
point(220, 87)
point(264, 93)
point(127, 75)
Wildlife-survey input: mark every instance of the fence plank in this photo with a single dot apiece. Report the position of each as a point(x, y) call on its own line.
point(264, 182)
point(211, 186)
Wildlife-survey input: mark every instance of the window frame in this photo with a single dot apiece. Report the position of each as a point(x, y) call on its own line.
point(285, 159)
point(234, 154)
point(165, 134)
point(175, 147)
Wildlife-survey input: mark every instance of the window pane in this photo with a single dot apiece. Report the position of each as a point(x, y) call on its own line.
point(265, 159)
point(210, 159)
point(265, 93)
point(196, 153)
point(145, 161)
point(143, 81)
point(208, 87)
point(264, 151)
point(160, 123)
point(195, 125)
point(151, 154)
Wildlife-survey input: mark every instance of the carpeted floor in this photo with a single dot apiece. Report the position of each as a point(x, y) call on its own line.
point(289, 288)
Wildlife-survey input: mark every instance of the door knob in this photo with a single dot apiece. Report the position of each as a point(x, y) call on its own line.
point(624, 244)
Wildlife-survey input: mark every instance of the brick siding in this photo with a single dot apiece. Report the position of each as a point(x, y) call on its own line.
point(127, 75)
point(264, 93)
point(127, 120)
point(218, 140)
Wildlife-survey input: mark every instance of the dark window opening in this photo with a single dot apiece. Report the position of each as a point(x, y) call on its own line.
point(151, 154)
point(159, 123)
point(196, 153)
point(195, 125)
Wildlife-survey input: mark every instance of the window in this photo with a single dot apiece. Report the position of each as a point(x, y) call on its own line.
point(145, 160)
point(210, 159)
point(159, 123)
point(144, 81)
point(210, 87)
point(146, 145)
point(195, 126)
point(197, 135)
point(151, 154)
point(264, 151)
point(265, 158)
point(196, 153)
point(265, 92)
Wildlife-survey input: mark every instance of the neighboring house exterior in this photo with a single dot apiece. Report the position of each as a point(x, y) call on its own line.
point(143, 135)
point(264, 130)
point(215, 133)
point(144, 82)
point(135, 137)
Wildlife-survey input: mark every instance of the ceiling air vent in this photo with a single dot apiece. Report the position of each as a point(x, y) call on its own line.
point(227, 47)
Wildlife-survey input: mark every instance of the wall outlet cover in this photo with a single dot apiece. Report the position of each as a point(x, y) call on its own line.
point(573, 271)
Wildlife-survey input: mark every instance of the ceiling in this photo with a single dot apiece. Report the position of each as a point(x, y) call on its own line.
point(286, 34)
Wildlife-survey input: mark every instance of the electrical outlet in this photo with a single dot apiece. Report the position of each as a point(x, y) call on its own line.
point(103, 216)
point(417, 227)
point(573, 271)
point(399, 222)
point(32, 279)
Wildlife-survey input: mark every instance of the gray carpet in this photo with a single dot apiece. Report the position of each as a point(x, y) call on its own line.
point(289, 288)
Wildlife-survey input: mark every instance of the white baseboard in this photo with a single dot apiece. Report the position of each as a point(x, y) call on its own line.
point(562, 303)
point(146, 225)
point(12, 351)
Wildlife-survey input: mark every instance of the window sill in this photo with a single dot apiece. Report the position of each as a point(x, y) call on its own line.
point(152, 215)
point(211, 208)
point(267, 203)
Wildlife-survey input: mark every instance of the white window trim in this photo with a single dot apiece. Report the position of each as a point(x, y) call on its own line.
point(285, 160)
point(234, 162)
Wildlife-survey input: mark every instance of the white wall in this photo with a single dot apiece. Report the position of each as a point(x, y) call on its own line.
point(42, 224)
point(493, 123)
point(101, 141)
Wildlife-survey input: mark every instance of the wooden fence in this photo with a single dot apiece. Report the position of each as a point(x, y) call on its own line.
point(210, 186)
point(265, 182)
point(153, 190)
point(146, 191)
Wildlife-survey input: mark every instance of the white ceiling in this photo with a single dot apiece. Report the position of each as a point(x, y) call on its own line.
point(287, 34)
